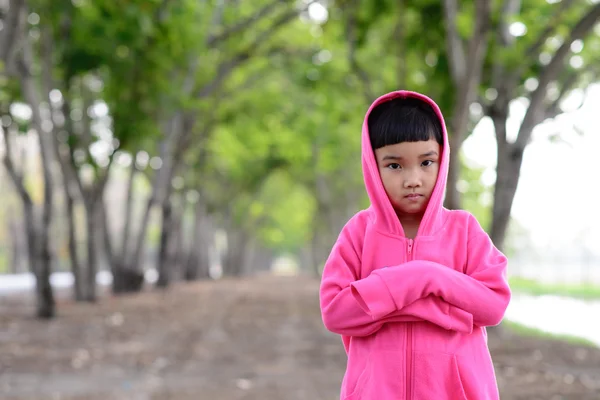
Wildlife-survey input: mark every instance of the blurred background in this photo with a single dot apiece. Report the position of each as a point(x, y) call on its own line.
point(174, 173)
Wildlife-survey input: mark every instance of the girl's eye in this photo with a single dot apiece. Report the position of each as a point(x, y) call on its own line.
point(394, 166)
point(427, 163)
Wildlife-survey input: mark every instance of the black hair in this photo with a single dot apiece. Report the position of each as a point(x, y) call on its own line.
point(403, 120)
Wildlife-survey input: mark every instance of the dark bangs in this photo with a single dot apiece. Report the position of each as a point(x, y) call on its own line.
point(403, 120)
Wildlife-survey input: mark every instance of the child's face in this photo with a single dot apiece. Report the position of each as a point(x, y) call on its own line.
point(409, 171)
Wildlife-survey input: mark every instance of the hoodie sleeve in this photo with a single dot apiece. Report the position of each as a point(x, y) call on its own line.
point(482, 290)
point(347, 314)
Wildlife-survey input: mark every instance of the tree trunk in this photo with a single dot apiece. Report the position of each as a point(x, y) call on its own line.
point(40, 264)
point(92, 250)
point(161, 187)
point(178, 254)
point(106, 236)
point(510, 158)
point(125, 236)
point(138, 253)
point(176, 244)
point(453, 199)
point(10, 33)
point(18, 243)
point(510, 155)
point(197, 265)
point(305, 259)
point(45, 297)
point(125, 278)
point(466, 70)
point(315, 256)
point(78, 284)
point(164, 266)
point(262, 259)
point(233, 260)
point(42, 255)
point(39, 255)
point(248, 266)
point(322, 241)
point(508, 171)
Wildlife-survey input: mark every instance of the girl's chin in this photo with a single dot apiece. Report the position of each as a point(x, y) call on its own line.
point(413, 212)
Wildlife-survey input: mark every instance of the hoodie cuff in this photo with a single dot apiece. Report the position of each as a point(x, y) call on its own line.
point(460, 320)
point(373, 296)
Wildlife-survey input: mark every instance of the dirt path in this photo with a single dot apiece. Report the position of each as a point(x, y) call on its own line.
point(230, 340)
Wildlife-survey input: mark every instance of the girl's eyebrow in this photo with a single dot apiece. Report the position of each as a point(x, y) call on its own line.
point(394, 157)
point(391, 157)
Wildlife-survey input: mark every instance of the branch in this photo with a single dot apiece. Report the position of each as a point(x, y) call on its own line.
point(228, 66)
point(504, 85)
point(98, 187)
point(217, 16)
point(255, 77)
point(535, 111)
point(534, 49)
point(215, 39)
point(224, 70)
point(32, 96)
point(477, 45)
point(86, 121)
point(11, 27)
point(161, 13)
point(553, 110)
point(468, 85)
point(15, 176)
point(248, 83)
point(66, 111)
point(67, 167)
point(161, 178)
point(454, 44)
point(509, 9)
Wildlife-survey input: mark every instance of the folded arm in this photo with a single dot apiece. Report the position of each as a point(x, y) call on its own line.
point(481, 291)
point(344, 312)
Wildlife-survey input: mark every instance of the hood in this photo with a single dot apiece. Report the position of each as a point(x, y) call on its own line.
point(385, 216)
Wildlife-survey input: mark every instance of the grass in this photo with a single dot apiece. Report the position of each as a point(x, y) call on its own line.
point(533, 287)
point(533, 332)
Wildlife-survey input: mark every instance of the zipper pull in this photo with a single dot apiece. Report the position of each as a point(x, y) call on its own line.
point(410, 246)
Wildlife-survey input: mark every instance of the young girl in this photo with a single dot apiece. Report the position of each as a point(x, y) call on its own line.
point(410, 285)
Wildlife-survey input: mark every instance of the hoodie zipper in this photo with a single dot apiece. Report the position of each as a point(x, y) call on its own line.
point(409, 363)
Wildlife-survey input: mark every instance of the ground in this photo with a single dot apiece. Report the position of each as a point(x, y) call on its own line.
point(259, 338)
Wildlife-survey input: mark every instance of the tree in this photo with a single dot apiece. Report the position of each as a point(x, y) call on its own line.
point(466, 69)
point(508, 79)
point(38, 217)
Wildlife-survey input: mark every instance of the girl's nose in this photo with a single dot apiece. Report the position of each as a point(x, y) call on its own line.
point(413, 180)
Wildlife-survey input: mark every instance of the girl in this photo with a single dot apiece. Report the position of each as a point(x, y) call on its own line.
point(410, 285)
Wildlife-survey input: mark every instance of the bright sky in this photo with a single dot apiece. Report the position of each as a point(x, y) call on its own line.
point(558, 198)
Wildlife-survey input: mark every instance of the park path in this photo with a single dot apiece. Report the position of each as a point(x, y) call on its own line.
point(246, 339)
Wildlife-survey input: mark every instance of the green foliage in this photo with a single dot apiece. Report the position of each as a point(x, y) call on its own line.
point(291, 103)
point(288, 223)
point(585, 290)
point(524, 330)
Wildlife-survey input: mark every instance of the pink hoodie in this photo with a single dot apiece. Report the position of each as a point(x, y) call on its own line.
point(412, 313)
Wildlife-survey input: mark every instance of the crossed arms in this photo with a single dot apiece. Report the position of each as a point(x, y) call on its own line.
point(414, 291)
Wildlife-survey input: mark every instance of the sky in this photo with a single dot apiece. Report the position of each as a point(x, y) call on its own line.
point(558, 197)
